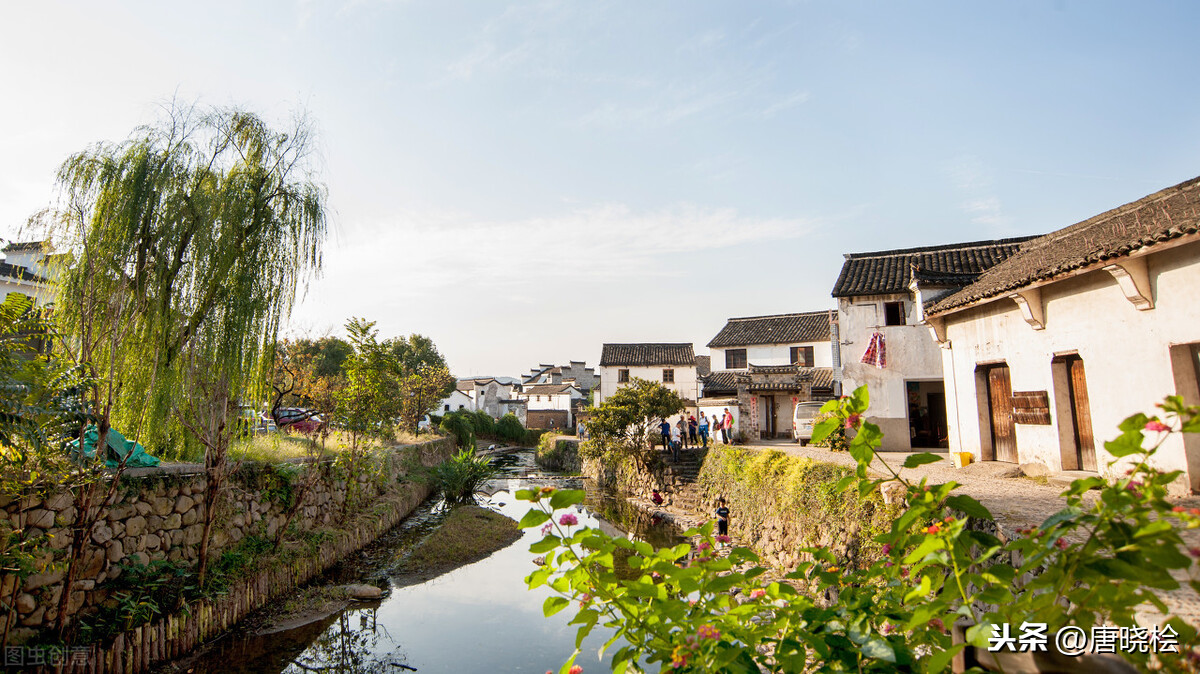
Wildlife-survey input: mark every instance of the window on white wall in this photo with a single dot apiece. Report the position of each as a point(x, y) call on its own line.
point(802, 356)
point(893, 313)
point(735, 359)
point(668, 376)
point(622, 376)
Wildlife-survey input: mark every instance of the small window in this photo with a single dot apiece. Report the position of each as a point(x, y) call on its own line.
point(461, 407)
point(893, 313)
point(622, 376)
point(735, 359)
point(802, 356)
point(446, 408)
point(668, 376)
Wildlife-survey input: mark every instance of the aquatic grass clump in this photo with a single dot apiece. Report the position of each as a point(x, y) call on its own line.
point(459, 477)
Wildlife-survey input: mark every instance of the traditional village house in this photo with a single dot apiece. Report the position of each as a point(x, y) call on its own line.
point(673, 365)
point(575, 372)
point(551, 405)
point(457, 400)
point(27, 269)
point(1048, 351)
point(879, 321)
point(768, 364)
point(495, 395)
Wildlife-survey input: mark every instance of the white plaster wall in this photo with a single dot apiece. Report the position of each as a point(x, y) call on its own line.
point(718, 407)
point(1125, 354)
point(912, 354)
point(685, 379)
point(558, 401)
point(454, 400)
point(777, 354)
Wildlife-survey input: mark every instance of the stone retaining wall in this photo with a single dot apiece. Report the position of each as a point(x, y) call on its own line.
point(158, 515)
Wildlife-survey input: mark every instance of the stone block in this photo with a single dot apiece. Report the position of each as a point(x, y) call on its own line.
point(40, 517)
point(190, 517)
point(154, 523)
point(1035, 469)
point(162, 506)
point(115, 552)
point(60, 500)
point(183, 504)
point(143, 508)
point(59, 538)
point(29, 502)
point(102, 534)
point(26, 603)
point(153, 542)
point(93, 563)
point(193, 534)
point(34, 618)
point(121, 512)
point(172, 521)
point(37, 580)
point(85, 585)
point(135, 526)
point(139, 558)
point(177, 537)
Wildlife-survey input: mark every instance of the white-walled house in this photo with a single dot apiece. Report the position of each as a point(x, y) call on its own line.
point(457, 400)
point(768, 364)
point(551, 405)
point(673, 365)
point(27, 269)
point(1047, 352)
point(879, 297)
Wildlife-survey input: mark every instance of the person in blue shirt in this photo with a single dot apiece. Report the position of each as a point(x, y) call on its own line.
point(703, 428)
point(722, 518)
point(665, 427)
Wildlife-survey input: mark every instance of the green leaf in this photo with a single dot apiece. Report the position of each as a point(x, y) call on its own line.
point(533, 518)
point(547, 544)
point(879, 649)
point(526, 494)
point(822, 429)
point(564, 498)
point(940, 661)
point(970, 506)
point(553, 605)
point(921, 459)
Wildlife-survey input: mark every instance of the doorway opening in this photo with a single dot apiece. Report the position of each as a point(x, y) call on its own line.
point(927, 427)
point(1077, 444)
point(998, 430)
point(1185, 366)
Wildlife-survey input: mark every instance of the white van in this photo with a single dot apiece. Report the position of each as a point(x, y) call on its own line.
point(802, 421)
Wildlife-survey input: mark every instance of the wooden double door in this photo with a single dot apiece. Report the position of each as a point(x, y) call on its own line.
point(1081, 413)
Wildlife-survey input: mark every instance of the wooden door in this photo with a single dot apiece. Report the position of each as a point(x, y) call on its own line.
point(1004, 430)
point(1081, 415)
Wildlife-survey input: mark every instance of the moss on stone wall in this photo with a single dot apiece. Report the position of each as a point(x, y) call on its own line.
point(779, 504)
point(558, 452)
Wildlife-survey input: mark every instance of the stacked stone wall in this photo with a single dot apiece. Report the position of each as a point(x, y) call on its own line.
point(158, 514)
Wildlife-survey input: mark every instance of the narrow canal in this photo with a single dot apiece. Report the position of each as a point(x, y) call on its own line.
point(477, 618)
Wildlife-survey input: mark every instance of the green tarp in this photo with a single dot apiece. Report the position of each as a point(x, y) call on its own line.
point(118, 447)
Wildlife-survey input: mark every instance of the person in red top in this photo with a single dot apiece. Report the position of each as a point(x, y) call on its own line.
point(727, 427)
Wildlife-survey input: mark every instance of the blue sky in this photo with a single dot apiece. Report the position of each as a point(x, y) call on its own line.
point(524, 182)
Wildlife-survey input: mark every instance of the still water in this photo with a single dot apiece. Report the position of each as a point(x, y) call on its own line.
point(477, 618)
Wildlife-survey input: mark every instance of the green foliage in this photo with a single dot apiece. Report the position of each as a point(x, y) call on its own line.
point(836, 439)
point(191, 236)
point(460, 476)
point(509, 428)
point(485, 425)
point(460, 424)
point(624, 420)
point(1092, 563)
point(556, 452)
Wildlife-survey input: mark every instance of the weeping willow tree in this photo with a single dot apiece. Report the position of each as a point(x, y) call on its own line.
point(191, 238)
point(188, 242)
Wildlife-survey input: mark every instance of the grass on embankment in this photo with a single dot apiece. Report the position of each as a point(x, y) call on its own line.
point(281, 446)
point(468, 535)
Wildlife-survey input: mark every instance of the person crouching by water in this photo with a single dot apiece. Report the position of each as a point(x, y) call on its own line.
point(656, 497)
point(722, 518)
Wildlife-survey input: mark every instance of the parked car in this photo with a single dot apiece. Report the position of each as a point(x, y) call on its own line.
point(802, 421)
point(299, 419)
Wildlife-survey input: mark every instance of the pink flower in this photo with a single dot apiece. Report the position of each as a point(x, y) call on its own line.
point(1061, 544)
point(852, 420)
point(887, 628)
point(546, 528)
point(576, 669)
point(708, 632)
point(703, 546)
point(758, 594)
point(936, 623)
point(1195, 552)
point(1156, 425)
point(722, 538)
point(568, 520)
point(887, 548)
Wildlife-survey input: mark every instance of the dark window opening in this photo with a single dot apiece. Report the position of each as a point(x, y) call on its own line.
point(622, 376)
point(893, 313)
point(802, 356)
point(735, 359)
point(668, 376)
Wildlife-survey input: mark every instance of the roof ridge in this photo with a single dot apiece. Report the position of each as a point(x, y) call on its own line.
point(799, 313)
point(949, 246)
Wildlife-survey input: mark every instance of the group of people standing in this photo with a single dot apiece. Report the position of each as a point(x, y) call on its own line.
point(676, 436)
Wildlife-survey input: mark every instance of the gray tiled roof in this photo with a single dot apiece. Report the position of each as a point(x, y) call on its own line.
point(724, 382)
point(19, 272)
point(548, 389)
point(811, 326)
point(890, 271)
point(22, 246)
point(703, 365)
point(1162, 216)
point(647, 354)
point(720, 382)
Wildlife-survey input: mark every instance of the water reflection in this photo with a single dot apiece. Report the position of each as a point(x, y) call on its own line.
point(477, 618)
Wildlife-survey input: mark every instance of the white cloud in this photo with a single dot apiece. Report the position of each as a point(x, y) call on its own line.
point(798, 98)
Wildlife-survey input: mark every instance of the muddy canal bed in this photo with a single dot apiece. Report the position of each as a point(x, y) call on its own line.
point(476, 618)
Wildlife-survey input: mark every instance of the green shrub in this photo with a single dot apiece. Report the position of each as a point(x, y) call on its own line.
point(836, 440)
point(485, 425)
point(509, 428)
point(532, 437)
point(461, 425)
point(460, 476)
